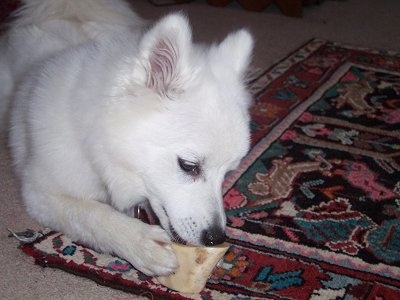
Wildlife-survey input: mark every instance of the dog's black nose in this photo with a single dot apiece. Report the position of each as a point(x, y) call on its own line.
point(213, 236)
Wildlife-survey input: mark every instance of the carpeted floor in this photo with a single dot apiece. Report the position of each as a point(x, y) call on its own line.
point(314, 209)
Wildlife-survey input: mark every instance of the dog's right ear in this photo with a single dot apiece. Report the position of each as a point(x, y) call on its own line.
point(164, 52)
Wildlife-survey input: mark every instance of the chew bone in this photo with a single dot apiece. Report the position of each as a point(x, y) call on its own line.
point(195, 266)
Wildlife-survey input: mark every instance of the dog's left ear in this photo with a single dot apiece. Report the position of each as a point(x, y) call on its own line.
point(164, 51)
point(235, 51)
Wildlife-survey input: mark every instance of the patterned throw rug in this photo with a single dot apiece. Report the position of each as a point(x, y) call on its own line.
point(314, 209)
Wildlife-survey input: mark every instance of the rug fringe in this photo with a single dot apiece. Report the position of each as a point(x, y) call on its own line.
point(29, 235)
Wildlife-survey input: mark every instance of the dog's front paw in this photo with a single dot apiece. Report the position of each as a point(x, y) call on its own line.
point(152, 254)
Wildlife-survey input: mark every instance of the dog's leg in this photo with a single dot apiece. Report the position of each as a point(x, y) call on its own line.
point(100, 226)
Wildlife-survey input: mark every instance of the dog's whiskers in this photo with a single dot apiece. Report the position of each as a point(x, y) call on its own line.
point(175, 236)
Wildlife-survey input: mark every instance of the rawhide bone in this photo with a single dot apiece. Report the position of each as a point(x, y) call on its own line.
point(195, 267)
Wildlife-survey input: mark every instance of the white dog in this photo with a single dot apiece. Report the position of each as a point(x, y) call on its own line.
point(107, 112)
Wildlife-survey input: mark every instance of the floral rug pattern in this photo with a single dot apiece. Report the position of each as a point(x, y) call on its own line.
point(314, 209)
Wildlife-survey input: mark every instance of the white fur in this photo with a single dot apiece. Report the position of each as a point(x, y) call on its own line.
point(101, 111)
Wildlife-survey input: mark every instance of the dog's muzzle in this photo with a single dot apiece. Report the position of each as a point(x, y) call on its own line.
point(211, 236)
point(145, 213)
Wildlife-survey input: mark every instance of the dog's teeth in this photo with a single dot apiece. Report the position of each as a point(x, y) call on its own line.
point(145, 213)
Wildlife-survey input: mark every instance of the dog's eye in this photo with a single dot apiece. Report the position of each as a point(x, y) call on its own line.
point(189, 167)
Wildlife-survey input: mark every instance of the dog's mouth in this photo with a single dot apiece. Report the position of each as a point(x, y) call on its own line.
point(146, 214)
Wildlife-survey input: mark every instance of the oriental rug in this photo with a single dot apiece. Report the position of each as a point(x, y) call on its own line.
point(314, 209)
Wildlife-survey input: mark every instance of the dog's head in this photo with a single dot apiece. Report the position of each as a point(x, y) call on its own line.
point(191, 125)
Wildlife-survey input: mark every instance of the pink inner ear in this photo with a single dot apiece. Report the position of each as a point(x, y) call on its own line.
point(163, 66)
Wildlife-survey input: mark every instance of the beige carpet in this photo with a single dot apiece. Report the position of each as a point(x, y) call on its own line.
point(368, 23)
